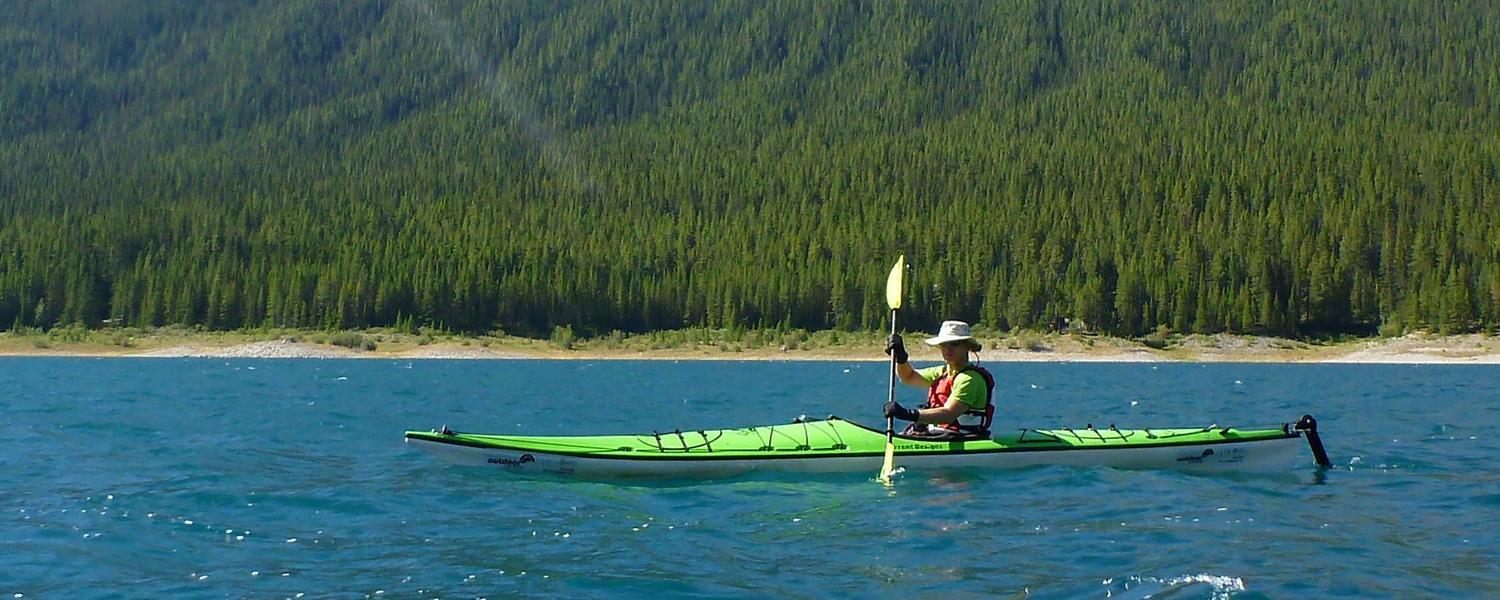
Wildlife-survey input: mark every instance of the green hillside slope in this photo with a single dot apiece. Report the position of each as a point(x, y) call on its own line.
point(1264, 167)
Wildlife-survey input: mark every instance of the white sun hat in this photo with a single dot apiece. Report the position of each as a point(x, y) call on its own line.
point(953, 331)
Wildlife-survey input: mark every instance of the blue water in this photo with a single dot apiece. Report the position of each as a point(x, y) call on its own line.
point(273, 478)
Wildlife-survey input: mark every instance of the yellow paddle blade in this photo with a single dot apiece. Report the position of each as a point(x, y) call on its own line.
point(893, 283)
point(890, 463)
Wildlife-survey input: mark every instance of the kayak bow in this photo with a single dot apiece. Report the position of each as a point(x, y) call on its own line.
point(834, 445)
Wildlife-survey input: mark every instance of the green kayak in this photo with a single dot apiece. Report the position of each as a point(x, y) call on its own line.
point(834, 445)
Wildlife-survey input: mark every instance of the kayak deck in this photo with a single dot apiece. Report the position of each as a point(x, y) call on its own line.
point(848, 446)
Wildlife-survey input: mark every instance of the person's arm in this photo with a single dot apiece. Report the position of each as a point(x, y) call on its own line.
point(949, 413)
point(910, 376)
point(968, 390)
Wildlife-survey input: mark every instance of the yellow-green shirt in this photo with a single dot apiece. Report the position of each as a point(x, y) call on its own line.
point(968, 387)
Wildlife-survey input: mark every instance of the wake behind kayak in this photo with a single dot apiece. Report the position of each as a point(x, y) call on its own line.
point(834, 445)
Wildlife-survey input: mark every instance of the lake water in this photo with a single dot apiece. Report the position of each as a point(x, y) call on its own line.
point(278, 478)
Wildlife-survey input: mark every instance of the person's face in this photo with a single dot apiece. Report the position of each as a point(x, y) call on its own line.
point(954, 350)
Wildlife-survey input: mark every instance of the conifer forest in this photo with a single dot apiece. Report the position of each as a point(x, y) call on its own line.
point(1249, 166)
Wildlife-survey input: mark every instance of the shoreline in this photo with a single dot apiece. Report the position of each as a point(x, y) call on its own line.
point(1416, 348)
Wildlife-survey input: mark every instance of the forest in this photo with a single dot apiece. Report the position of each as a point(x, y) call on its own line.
point(1248, 166)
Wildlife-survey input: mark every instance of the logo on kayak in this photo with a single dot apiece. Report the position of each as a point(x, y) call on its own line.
point(511, 462)
point(1196, 458)
point(1231, 455)
point(564, 467)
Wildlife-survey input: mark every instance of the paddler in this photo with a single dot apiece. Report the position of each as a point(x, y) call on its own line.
point(959, 393)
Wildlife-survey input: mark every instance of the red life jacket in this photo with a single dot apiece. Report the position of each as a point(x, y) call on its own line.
point(940, 390)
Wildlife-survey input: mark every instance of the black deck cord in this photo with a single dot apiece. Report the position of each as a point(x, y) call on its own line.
point(1117, 431)
point(661, 447)
point(1309, 426)
point(770, 437)
point(833, 432)
point(1050, 437)
point(1097, 432)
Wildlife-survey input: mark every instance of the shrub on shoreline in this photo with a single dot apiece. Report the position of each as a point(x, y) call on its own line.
point(350, 339)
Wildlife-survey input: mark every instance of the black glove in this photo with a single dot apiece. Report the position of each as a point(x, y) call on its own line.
point(896, 347)
point(894, 409)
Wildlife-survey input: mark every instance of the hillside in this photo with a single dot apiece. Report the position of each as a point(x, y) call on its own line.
point(1247, 167)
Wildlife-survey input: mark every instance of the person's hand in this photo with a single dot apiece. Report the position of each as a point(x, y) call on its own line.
point(894, 409)
point(896, 347)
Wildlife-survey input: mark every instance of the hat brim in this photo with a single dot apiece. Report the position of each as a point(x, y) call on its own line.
point(943, 339)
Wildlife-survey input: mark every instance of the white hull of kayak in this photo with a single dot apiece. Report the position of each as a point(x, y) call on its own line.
point(1251, 456)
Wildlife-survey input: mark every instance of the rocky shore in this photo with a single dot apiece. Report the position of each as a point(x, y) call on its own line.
point(1410, 349)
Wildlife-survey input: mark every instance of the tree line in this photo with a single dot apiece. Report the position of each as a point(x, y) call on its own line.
point(1251, 167)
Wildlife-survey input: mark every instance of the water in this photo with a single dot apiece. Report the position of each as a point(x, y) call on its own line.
point(273, 478)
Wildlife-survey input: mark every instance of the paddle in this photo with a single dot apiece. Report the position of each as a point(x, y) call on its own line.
point(893, 300)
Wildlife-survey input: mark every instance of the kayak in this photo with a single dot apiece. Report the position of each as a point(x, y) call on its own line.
point(834, 445)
